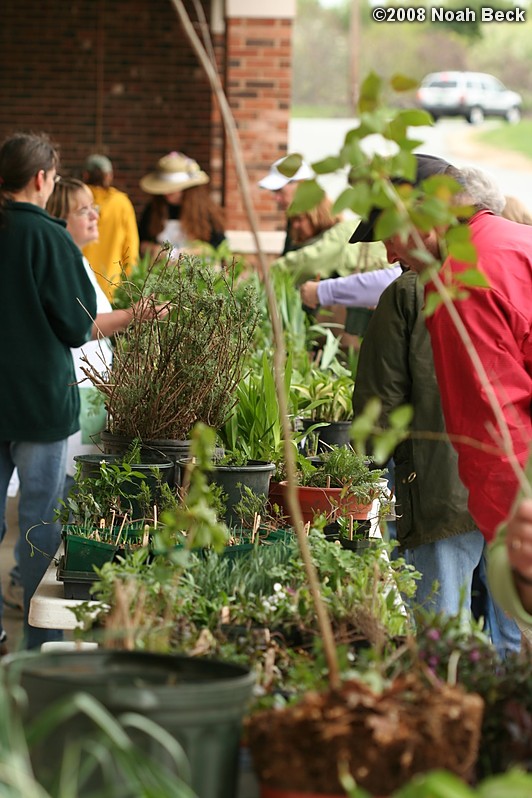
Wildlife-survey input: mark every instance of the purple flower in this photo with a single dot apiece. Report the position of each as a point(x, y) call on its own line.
point(434, 634)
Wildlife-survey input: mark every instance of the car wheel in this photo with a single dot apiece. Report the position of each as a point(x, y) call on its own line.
point(513, 115)
point(476, 116)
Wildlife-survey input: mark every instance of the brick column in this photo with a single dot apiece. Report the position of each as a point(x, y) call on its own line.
point(258, 83)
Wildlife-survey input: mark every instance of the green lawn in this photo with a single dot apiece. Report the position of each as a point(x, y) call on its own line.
point(510, 137)
point(320, 112)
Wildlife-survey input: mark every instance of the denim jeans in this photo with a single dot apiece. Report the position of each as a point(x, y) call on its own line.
point(451, 562)
point(41, 469)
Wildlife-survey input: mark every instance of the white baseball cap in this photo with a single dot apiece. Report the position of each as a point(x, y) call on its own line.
point(275, 180)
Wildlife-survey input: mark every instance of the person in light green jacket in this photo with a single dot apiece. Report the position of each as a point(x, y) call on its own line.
point(323, 251)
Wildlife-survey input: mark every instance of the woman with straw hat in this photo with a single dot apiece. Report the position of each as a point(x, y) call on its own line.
point(182, 210)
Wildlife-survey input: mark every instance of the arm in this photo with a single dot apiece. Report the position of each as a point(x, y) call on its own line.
point(317, 258)
point(107, 324)
point(519, 549)
point(357, 290)
point(510, 561)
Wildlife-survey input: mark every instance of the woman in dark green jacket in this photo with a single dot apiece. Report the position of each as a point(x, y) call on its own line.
point(47, 306)
point(434, 527)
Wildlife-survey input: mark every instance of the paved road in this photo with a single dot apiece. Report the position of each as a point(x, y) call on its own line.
point(450, 139)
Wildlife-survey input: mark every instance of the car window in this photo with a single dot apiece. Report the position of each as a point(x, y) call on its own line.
point(443, 84)
point(492, 84)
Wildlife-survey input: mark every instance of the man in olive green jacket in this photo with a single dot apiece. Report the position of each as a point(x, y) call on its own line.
point(434, 528)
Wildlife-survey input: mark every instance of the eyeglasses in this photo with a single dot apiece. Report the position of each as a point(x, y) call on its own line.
point(57, 178)
point(87, 210)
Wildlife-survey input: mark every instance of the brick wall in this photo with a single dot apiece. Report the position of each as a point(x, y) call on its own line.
point(258, 86)
point(119, 76)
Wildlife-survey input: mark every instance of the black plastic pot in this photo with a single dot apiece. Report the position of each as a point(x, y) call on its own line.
point(200, 702)
point(90, 468)
point(255, 475)
point(174, 450)
point(333, 433)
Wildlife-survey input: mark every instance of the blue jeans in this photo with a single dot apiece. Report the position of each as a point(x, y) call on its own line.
point(451, 563)
point(41, 468)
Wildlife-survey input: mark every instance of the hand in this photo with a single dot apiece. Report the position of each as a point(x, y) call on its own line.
point(146, 309)
point(309, 293)
point(519, 544)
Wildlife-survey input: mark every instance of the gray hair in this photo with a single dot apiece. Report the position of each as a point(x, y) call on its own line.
point(480, 190)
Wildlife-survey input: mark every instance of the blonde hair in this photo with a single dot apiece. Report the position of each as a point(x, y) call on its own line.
point(516, 211)
point(62, 197)
point(321, 218)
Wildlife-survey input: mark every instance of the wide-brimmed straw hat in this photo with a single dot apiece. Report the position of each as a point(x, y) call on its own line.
point(173, 172)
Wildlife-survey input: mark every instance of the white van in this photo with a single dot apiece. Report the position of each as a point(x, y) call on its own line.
point(473, 95)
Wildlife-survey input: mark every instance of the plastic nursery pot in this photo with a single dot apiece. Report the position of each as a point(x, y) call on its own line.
point(200, 702)
point(76, 584)
point(333, 433)
point(329, 501)
point(255, 475)
point(90, 469)
point(82, 553)
point(266, 538)
point(174, 450)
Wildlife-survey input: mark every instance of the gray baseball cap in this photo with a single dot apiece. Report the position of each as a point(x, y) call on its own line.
point(100, 162)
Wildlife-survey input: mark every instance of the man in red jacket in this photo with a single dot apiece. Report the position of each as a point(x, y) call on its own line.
point(491, 434)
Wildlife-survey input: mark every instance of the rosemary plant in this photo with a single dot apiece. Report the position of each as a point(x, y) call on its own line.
point(171, 372)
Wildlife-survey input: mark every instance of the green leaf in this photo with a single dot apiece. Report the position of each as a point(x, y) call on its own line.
point(357, 199)
point(401, 82)
point(459, 234)
point(327, 165)
point(308, 194)
point(415, 117)
point(389, 222)
point(432, 303)
point(352, 153)
point(384, 445)
point(290, 164)
point(438, 784)
point(370, 92)
point(465, 252)
point(473, 277)
point(513, 784)
point(401, 417)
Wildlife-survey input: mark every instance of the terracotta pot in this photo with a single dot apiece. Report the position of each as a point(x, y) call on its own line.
point(330, 501)
point(278, 792)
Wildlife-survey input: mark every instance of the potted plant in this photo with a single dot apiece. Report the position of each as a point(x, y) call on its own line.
point(321, 398)
point(112, 507)
point(41, 758)
point(381, 738)
point(199, 702)
point(251, 437)
point(170, 372)
point(341, 483)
